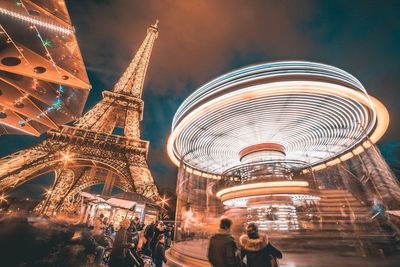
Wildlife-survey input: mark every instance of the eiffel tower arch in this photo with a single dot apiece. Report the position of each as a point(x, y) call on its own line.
point(87, 153)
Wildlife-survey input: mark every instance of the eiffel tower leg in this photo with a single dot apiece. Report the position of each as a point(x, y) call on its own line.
point(62, 183)
point(26, 164)
point(145, 185)
point(109, 184)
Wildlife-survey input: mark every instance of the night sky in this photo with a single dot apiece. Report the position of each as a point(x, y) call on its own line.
point(200, 40)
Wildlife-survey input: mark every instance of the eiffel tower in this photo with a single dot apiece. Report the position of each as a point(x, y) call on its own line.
point(88, 153)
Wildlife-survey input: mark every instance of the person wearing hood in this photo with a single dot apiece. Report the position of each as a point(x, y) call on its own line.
point(256, 248)
point(222, 250)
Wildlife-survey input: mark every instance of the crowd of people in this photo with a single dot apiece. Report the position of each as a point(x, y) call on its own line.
point(133, 244)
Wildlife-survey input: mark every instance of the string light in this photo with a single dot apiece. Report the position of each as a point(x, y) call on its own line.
point(47, 43)
point(35, 21)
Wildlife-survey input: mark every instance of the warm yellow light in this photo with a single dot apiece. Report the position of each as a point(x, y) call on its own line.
point(262, 185)
point(3, 198)
point(382, 117)
point(164, 201)
point(66, 157)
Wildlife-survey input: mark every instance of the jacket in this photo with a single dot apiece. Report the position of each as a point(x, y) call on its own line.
point(118, 255)
point(88, 241)
point(258, 251)
point(223, 251)
point(159, 252)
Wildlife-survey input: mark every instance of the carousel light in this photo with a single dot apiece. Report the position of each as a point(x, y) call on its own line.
point(241, 109)
point(262, 185)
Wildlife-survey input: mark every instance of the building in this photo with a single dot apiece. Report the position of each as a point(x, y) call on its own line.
point(118, 207)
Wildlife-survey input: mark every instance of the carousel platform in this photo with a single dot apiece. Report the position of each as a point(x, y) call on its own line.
point(193, 253)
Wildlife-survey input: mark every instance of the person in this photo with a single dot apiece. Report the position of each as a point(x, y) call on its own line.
point(132, 235)
point(256, 248)
point(98, 225)
point(167, 235)
point(222, 249)
point(133, 232)
point(159, 251)
point(148, 234)
point(109, 229)
point(158, 230)
point(119, 252)
point(137, 224)
point(92, 246)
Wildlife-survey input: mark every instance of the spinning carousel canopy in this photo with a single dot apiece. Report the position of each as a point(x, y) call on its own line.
point(298, 111)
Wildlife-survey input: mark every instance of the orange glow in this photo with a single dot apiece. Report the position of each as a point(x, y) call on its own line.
point(261, 147)
point(282, 88)
point(261, 185)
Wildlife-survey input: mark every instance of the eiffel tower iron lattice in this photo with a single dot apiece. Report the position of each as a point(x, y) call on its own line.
point(87, 153)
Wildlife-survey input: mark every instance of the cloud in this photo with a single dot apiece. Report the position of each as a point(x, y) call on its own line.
point(197, 39)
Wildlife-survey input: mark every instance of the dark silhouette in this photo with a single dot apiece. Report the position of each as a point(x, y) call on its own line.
point(256, 248)
point(222, 250)
point(119, 253)
point(159, 251)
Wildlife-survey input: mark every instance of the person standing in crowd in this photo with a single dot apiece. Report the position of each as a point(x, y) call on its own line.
point(158, 230)
point(257, 250)
point(222, 249)
point(98, 225)
point(159, 251)
point(137, 224)
point(148, 234)
point(133, 238)
point(119, 252)
point(133, 231)
point(92, 246)
point(109, 229)
point(167, 235)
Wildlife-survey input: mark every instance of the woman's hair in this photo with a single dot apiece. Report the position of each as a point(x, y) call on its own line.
point(252, 230)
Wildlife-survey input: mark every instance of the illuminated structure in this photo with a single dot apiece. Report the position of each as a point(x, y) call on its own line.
point(289, 145)
point(88, 153)
point(43, 81)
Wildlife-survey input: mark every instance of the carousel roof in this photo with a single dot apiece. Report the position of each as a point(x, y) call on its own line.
point(312, 112)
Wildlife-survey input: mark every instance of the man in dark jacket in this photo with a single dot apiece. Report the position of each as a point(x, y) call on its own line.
point(256, 248)
point(222, 250)
point(159, 252)
point(92, 246)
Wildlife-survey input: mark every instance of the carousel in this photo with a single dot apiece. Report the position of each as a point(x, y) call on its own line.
point(291, 147)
